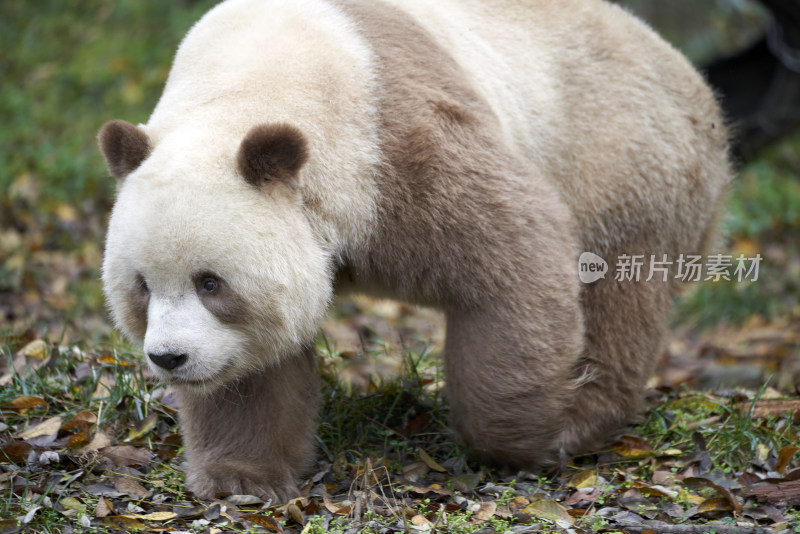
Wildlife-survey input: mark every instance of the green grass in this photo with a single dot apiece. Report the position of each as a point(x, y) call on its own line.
point(68, 66)
point(763, 218)
point(54, 382)
point(732, 436)
point(766, 195)
point(118, 407)
point(384, 410)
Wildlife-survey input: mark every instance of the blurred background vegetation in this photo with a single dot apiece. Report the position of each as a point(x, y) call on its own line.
point(67, 66)
point(704, 29)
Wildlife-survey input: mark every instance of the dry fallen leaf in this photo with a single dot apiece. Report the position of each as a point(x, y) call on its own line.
point(144, 428)
point(518, 504)
point(715, 504)
point(421, 521)
point(80, 438)
point(35, 349)
point(45, 428)
point(127, 455)
point(82, 418)
point(15, 451)
point(659, 491)
point(579, 496)
point(18, 365)
point(549, 510)
point(693, 498)
point(26, 402)
point(104, 507)
point(105, 385)
point(415, 469)
point(270, 523)
point(583, 479)
point(121, 522)
point(430, 462)
point(71, 503)
point(432, 492)
point(730, 498)
point(131, 487)
point(486, 511)
point(630, 446)
point(329, 504)
point(294, 512)
point(110, 360)
point(101, 440)
point(663, 476)
point(153, 516)
point(769, 408)
point(10, 526)
point(466, 482)
point(785, 456)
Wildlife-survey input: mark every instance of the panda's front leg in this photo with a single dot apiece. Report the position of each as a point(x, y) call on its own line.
point(254, 436)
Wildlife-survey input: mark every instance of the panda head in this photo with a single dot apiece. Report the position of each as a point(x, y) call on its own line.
point(211, 261)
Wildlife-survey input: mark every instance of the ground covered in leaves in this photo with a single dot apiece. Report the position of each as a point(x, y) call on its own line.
point(89, 441)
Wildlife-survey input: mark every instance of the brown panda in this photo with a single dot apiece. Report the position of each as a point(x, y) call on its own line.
point(459, 154)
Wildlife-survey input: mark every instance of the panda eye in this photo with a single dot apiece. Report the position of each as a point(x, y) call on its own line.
point(209, 284)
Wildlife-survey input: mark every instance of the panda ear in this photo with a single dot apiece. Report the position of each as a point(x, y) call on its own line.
point(124, 146)
point(272, 152)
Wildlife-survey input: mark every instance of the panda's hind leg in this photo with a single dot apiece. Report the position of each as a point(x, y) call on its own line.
point(625, 325)
point(508, 377)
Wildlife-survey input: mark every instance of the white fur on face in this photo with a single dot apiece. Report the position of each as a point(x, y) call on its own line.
point(167, 227)
point(186, 210)
point(180, 324)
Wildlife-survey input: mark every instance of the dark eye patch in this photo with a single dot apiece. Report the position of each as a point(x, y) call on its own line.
point(141, 285)
point(220, 299)
point(139, 301)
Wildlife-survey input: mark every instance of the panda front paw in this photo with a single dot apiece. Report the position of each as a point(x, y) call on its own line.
point(210, 481)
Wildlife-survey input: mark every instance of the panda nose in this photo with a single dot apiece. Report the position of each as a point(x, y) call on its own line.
point(168, 361)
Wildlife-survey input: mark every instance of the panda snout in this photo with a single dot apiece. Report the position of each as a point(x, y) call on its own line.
point(168, 361)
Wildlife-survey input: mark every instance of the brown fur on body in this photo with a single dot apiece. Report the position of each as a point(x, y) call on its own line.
point(467, 225)
point(255, 436)
point(458, 230)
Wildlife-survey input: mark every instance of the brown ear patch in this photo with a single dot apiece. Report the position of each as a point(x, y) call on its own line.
point(272, 152)
point(124, 147)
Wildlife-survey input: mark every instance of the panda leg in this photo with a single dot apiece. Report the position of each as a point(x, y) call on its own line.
point(625, 331)
point(508, 381)
point(256, 436)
